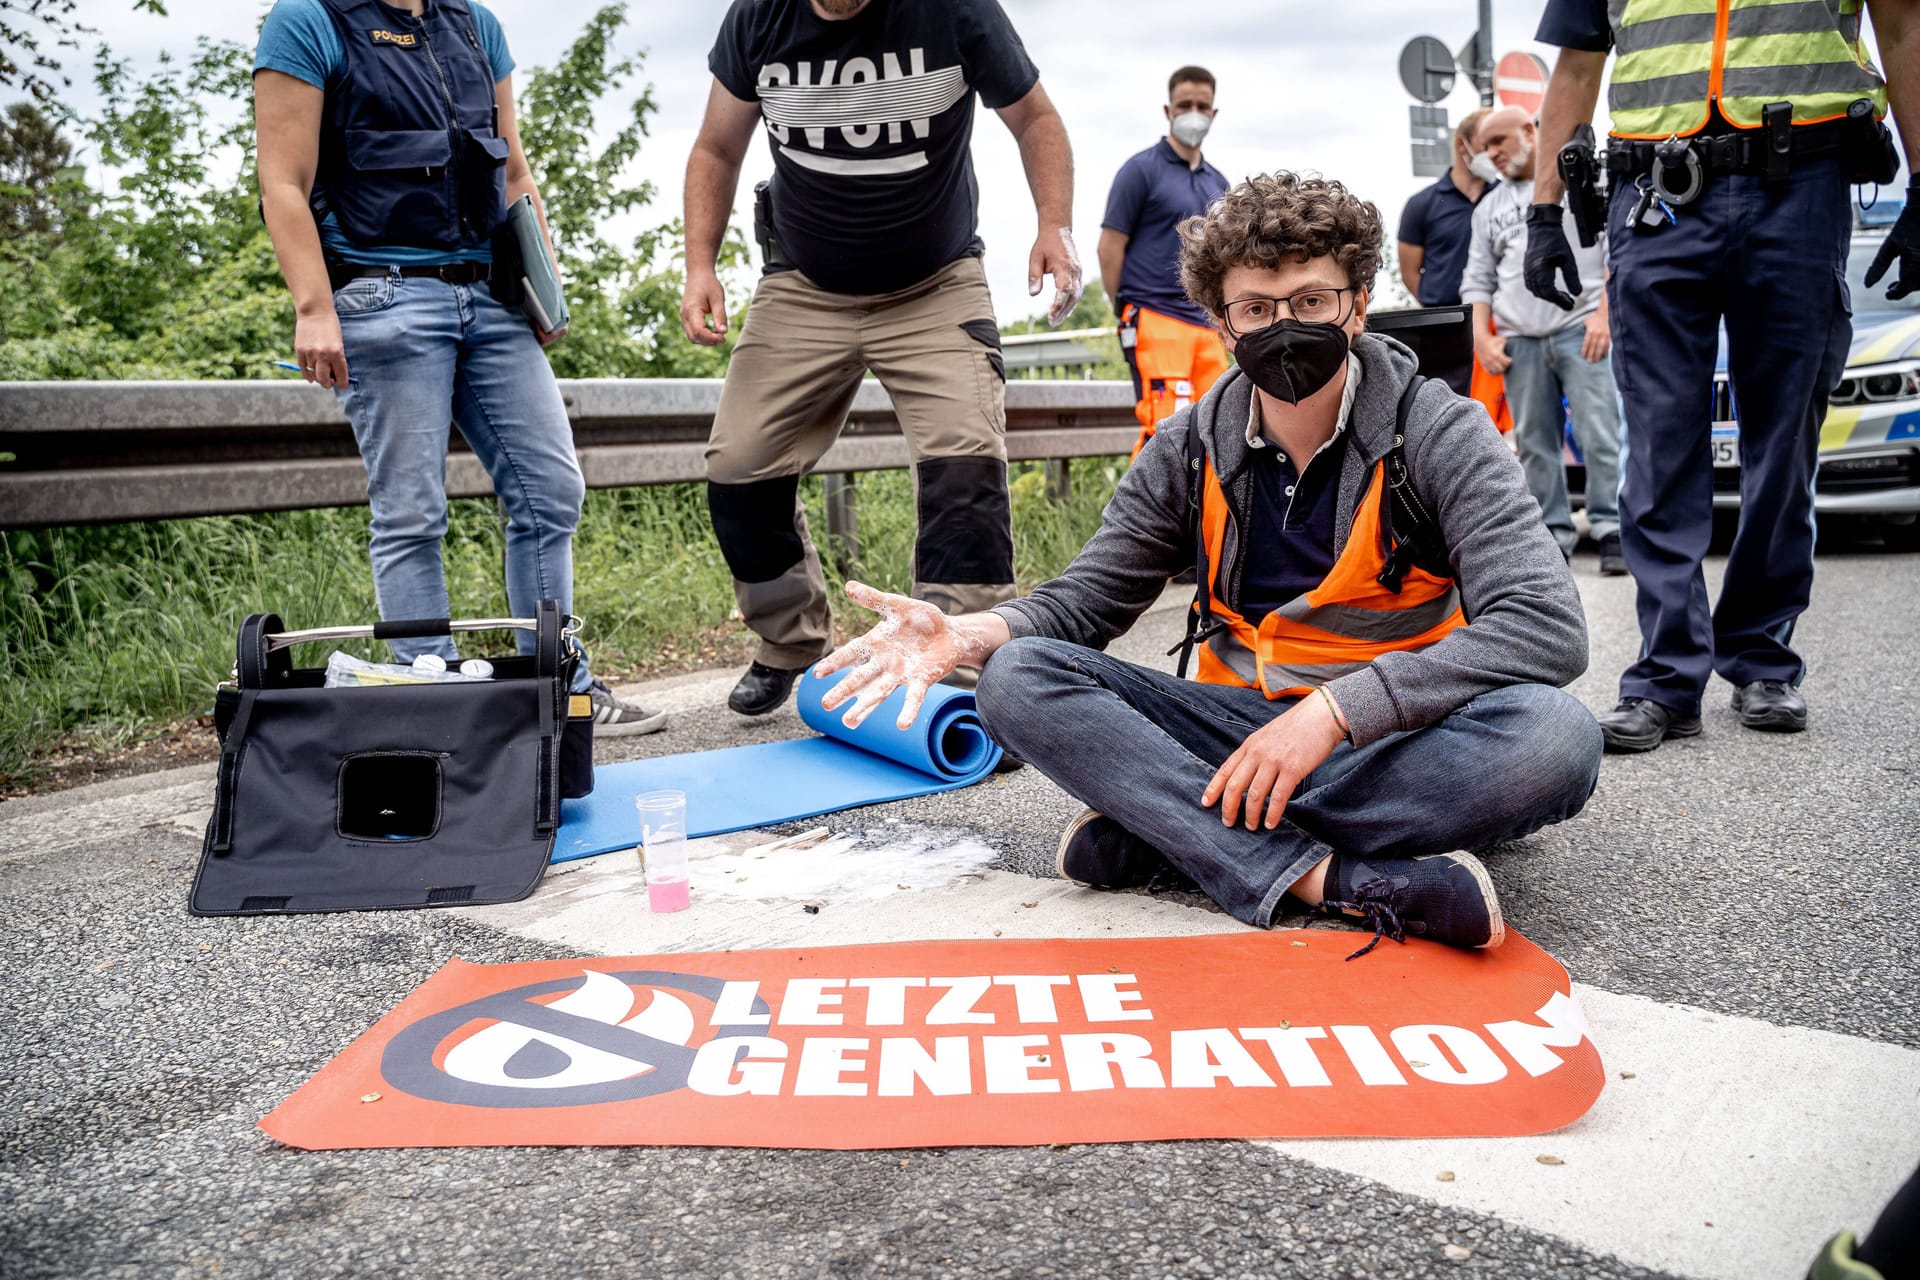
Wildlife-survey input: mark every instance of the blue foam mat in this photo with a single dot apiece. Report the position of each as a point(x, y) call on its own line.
point(738, 788)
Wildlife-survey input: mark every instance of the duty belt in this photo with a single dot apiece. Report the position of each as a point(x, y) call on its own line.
point(1681, 166)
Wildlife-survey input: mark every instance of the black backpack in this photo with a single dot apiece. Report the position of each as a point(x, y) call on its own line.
point(1408, 530)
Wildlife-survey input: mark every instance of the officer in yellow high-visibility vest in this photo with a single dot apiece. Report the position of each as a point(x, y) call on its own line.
point(1738, 126)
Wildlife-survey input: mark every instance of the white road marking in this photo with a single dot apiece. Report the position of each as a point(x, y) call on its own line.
point(1777, 1136)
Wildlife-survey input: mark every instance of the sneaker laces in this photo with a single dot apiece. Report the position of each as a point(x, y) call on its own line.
point(1374, 901)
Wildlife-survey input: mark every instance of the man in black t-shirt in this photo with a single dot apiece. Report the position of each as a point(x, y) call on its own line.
point(871, 264)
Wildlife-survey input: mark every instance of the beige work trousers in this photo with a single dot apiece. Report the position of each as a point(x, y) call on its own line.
point(792, 378)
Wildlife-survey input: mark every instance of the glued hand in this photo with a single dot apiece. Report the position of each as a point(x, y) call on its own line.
point(914, 645)
point(1263, 771)
point(1055, 255)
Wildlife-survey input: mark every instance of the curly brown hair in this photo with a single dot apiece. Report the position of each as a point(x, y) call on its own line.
point(1275, 218)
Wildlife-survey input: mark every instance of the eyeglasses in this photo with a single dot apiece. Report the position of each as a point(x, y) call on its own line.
point(1310, 306)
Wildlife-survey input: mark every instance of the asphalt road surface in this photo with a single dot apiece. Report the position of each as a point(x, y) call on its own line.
point(1737, 912)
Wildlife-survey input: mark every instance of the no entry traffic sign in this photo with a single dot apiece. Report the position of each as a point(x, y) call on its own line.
point(1520, 80)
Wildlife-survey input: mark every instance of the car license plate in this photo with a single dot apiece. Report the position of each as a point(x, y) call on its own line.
point(1726, 446)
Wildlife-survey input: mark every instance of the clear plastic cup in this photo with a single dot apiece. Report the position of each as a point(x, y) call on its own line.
point(663, 848)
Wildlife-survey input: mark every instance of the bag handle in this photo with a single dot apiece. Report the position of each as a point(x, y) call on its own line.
point(276, 640)
point(256, 660)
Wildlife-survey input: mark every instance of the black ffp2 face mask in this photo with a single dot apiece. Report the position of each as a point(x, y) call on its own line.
point(1291, 359)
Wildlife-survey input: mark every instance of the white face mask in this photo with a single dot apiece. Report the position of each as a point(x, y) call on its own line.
point(1191, 128)
point(1483, 167)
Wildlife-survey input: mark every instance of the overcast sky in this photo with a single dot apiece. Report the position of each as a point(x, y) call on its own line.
point(1304, 84)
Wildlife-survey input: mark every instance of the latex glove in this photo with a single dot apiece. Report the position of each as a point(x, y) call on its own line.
point(1903, 243)
point(914, 645)
point(1054, 255)
point(1548, 255)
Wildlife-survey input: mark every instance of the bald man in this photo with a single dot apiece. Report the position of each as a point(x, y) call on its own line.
point(1544, 352)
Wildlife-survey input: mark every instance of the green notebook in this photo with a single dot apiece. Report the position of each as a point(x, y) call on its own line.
point(524, 254)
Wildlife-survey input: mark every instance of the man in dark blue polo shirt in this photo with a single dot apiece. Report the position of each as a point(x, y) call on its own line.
point(1437, 224)
point(1174, 352)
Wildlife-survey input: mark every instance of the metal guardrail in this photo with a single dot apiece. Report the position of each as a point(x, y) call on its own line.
point(1056, 353)
point(96, 452)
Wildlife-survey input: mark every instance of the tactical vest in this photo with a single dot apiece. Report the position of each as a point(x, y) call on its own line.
point(1678, 59)
point(1383, 595)
point(410, 152)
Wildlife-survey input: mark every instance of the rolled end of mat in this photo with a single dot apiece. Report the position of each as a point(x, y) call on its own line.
point(947, 740)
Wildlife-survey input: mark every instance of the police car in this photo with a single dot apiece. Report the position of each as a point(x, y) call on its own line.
point(1870, 440)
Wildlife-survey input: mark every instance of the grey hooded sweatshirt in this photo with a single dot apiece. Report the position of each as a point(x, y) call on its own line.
point(1524, 619)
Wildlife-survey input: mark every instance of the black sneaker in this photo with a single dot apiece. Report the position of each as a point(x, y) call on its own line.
point(1099, 853)
point(1641, 724)
point(613, 718)
point(1447, 897)
point(1772, 705)
point(762, 689)
point(1613, 561)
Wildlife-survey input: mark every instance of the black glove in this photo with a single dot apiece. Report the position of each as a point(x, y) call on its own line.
point(1548, 255)
point(1903, 242)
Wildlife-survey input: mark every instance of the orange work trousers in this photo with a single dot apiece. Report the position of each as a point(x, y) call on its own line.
point(1490, 389)
point(1173, 364)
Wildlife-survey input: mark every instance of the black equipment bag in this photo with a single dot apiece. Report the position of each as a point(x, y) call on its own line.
point(408, 795)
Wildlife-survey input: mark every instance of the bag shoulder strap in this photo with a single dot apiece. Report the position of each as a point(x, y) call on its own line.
point(1201, 625)
point(1408, 530)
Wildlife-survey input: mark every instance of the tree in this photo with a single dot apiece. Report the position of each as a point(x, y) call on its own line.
point(31, 31)
point(168, 271)
point(625, 303)
point(34, 157)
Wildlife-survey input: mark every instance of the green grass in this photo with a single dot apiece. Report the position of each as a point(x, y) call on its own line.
point(113, 630)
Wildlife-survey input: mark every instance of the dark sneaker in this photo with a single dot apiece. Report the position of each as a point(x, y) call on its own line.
point(1613, 561)
point(1098, 852)
point(613, 718)
point(762, 689)
point(1772, 705)
point(1447, 897)
point(1641, 724)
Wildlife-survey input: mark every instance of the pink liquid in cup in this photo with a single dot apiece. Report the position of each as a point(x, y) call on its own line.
point(667, 895)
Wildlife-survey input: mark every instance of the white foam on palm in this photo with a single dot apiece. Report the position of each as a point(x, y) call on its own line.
point(845, 866)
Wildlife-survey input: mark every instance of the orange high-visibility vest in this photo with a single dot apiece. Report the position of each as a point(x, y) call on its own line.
point(1340, 626)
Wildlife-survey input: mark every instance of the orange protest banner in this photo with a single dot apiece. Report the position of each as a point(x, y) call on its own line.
point(967, 1043)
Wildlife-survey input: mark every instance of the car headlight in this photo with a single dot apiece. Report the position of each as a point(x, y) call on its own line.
point(1879, 383)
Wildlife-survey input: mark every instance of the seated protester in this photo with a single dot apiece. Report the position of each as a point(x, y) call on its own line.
point(1377, 679)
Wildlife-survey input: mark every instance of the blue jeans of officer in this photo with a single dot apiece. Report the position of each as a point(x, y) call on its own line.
point(1769, 261)
point(422, 352)
point(1141, 745)
point(1544, 371)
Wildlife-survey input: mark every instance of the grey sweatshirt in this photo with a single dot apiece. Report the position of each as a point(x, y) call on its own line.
point(1497, 259)
point(1524, 619)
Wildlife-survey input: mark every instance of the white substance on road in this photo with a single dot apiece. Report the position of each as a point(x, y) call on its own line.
point(844, 867)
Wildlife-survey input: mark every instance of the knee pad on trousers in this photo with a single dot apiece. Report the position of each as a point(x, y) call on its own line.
point(966, 522)
point(755, 526)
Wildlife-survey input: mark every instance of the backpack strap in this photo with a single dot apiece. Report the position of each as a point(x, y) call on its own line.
point(1200, 621)
point(1408, 531)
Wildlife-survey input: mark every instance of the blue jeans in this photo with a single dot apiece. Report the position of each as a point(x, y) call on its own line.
point(1543, 371)
point(1141, 745)
point(421, 351)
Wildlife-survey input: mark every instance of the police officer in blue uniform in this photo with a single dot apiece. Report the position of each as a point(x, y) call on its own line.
point(388, 155)
point(1736, 133)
